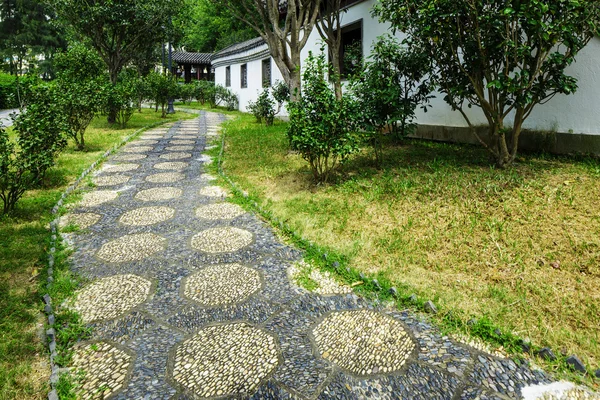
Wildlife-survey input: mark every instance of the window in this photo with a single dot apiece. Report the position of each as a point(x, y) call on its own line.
point(266, 73)
point(351, 53)
point(228, 76)
point(244, 76)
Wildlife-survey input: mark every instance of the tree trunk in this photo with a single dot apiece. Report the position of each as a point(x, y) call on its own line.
point(516, 133)
point(503, 155)
point(292, 77)
point(337, 79)
point(295, 84)
point(112, 112)
point(81, 144)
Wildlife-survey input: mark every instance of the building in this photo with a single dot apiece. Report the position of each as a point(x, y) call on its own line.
point(193, 66)
point(565, 124)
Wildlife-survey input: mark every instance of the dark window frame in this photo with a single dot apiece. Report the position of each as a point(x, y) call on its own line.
point(347, 30)
point(244, 76)
point(266, 80)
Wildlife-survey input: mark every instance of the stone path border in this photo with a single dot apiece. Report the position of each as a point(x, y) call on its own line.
point(54, 226)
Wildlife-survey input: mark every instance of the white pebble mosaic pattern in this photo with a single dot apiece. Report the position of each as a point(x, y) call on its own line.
point(159, 194)
point(219, 211)
point(225, 360)
point(220, 285)
point(179, 148)
point(104, 370)
point(221, 240)
point(130, 157)
point(111, 297)
point(175, 156)
point(181, 142)
point(363, 342)
point(175, 165)
point(147, 216)
point(202, 297)
point(97, 197)
point(207, 177)
point(138, 149)
point(144, 142)
point(132, 247)
point(111, 168)
point(111, 180)
point(205, 159)
point(326, 285)
point(80, 220)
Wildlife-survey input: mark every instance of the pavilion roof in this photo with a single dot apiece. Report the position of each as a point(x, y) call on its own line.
point(183, 57)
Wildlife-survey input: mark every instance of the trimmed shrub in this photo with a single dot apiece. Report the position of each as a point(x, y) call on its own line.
point(40, 137)
point(163, 88)
point(216, 95)
point(8, 91)
point(187, 92)
point(81, 88)
point(263, 108)
point(202, 90)
point(321, 126)
point(281, 93)
point(389, 88)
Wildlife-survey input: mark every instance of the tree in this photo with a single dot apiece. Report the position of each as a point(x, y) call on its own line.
point(81, 83)
point(321, 126)
point(120, 29)
point(163, 88)
point(285, 25)
point(503, 56)
point(26, 32)
point(391, 85)
point(329, 28)
point(39, 139)
point(213, 28)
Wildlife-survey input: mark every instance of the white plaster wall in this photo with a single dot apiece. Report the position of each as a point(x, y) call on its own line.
point(254, 76)
point(577, 113)
point(574, 113)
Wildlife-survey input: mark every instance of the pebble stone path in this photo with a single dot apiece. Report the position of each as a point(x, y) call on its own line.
point(190, 297)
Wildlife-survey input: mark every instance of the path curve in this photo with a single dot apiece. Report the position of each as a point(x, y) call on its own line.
point(190, 298)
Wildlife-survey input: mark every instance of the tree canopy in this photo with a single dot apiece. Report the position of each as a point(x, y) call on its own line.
point(211, 27)
point(27, 31)
point(285, 25)
point(503, 56)
point(119, 30)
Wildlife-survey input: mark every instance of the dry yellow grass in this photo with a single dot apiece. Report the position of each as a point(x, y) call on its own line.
point(521, 245)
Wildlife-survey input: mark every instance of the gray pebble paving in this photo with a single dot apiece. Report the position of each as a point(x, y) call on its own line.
point(171, 228)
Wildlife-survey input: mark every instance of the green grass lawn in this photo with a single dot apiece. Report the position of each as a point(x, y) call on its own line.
point(519, 246)
point(24, 234)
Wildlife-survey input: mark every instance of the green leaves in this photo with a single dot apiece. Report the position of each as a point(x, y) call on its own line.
point(392, 84)
point(162, 88)
point(118, 30)
point(501, 56)
point(321, 125)
point(40, 137)
point(263, 108)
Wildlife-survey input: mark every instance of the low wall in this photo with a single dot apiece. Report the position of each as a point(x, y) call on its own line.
point(551, 142)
